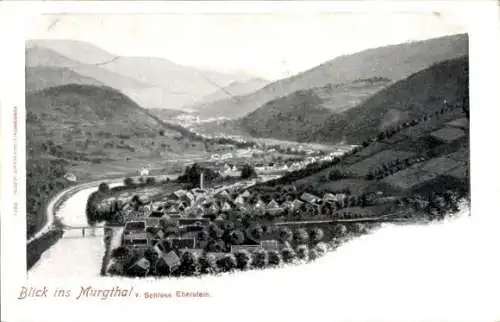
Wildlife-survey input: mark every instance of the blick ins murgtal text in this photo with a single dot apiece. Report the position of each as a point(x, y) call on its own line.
point(84, 292)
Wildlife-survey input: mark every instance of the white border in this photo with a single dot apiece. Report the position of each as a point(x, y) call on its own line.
point(482, 19)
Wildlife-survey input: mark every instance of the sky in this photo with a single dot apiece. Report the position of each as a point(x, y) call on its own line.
point(270, 46)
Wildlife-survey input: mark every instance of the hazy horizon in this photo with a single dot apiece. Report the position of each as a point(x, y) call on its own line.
point(259, 45)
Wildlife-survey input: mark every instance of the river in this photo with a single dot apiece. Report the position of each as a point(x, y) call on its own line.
point(72, 256)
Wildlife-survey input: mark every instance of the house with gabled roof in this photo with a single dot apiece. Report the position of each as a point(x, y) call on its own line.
point(240, 200)
point(273, 204)
point(245, 194)
point(287, 204)
point(269, 244)
point(249, 248)
point(140, 267)
point(226, 207)
point(183, 243)
point(296, 204)
point(310, 198)
point(170, 260)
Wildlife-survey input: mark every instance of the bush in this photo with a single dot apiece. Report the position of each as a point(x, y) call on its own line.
point(313, 254)
point(316, 234)
point(207, 264)
point(301, 236)
point(321, 249)
point(128, 182)
point(285, 234)
point(340, 230)
point(288, 255)
point(248, 171)
point(243, 259)
point(303, 252)
point(214, 231)
point(274, 258)
point(189, 264)
point(103, 187)
point(260, 258)
point(227, 263)
point(237, 237)
point(256, 232)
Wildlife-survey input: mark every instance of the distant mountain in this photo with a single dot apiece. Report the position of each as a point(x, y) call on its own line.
point(233, 89)
point(296, 116)
point(393, 62)
point(164, 114)
point(37, 56)
point(159, 82)
point(422, 92)
point(41, 77)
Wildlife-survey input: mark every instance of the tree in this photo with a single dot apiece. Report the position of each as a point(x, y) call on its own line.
point(243, 259)
point(103, 187)
point(316, 234)
point(359, 228)
point(260, 258)
point(256, 232)
point(285, 234)
point(248, 171)
point(189, 264)
point(215, 246)
point(303, 252)
point(340, 230)
point(301, 236)
point(321, 249)
point(128, 182)
point(227, 263)
point(274, 258)
point(214, 231)
point(237, 237)
point(288, 254)
point(207, 264)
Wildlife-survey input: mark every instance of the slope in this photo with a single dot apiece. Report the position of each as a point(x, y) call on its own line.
point(169, 85)
point(93, 132)
point(445, 83)
point(236, 89)
point(38, 56)
point(41, 77)
point(394, 62)
point(298, 115)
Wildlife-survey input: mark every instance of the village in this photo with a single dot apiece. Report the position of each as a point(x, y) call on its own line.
point(223, 222)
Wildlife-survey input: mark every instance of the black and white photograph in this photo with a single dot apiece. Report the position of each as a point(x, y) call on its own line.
point(176, 155)
point(203, 153)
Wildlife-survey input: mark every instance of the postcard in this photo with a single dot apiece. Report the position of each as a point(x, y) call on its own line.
point(249, 161)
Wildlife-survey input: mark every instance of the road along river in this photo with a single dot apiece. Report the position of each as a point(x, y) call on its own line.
point(72, 256)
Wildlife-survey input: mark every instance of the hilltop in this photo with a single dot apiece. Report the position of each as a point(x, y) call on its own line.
point(394, 62)
point(101, 123)
point(41, 77)
point(296, 116)
point(38, 57)
point(152, 82)
point(423, 92)
point(92, 132)
point(235, 88)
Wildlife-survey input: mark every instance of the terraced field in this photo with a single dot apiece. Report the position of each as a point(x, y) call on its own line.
point(362, 168)
point(421, 173)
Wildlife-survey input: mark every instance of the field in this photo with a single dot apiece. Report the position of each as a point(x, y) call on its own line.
point(448, 134)
point(461, 172)
point(420, 173)
point(362, 168)
point(356, 186)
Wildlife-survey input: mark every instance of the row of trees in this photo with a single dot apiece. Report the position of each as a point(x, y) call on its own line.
point(392, 167)
point(191, 264)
